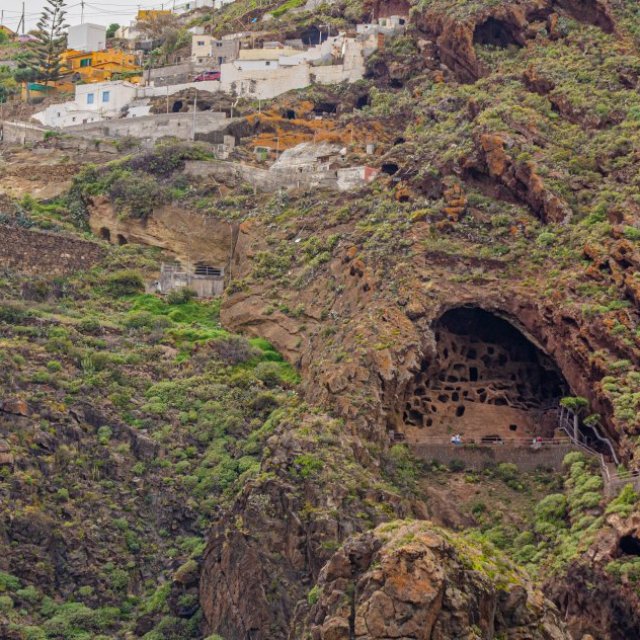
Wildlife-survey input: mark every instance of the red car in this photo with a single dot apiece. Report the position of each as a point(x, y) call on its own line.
point(207, 75)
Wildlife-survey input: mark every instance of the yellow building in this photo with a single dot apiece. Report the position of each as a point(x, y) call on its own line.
point(152, 14)
point(88, 67)
point(99, 66)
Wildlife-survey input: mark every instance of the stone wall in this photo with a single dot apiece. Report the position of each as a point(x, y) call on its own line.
point(43, 253)
point(346, 179)
point(478, 458)
point(28, 134)
point(178, 125)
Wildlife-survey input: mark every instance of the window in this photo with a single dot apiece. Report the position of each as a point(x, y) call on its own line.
point(201, 43)
point(106, 96)
point(218, 44)
point(89, 98)
point(85, 62)
point(268, 63)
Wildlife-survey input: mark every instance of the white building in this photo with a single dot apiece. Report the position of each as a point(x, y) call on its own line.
point(266, 73)
point(112, 100)
point(190, 5)
point(92, 103)
point(206, 49)
point(87, 37)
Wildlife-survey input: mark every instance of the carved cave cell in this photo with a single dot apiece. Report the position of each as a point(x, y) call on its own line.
point(486, 380)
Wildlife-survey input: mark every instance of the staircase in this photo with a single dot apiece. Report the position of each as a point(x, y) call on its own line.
point(614, 479)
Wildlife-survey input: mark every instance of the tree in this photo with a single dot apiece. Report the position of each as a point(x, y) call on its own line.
point(111, 31)
point(51, 41)
point(158, 26)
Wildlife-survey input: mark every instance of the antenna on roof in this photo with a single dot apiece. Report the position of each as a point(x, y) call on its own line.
point(82, 12)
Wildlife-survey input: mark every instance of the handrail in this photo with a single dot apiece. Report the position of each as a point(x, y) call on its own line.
point(519, 442)
point(567, 419)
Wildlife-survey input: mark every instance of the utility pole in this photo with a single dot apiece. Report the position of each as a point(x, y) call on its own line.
point(82, 12)
point(195, 104)
point(167, 98)
point(21, 23)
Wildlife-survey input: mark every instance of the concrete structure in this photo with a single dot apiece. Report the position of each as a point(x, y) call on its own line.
point(389, 26)
point(169, 75)
point(305, 166)
point(205, 280)
point(87, 37)
point(209, 127)
point(213, 52)
point(478, 458)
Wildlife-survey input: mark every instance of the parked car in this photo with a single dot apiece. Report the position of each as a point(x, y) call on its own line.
point(207, 75)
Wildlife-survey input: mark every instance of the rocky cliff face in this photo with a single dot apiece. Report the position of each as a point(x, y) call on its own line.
point(410, 580)
point(190, 237)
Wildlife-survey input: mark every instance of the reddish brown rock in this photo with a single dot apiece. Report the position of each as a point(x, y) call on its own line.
point(16, 407)
point(412, 581)
point(521, 179)
point(591, 598)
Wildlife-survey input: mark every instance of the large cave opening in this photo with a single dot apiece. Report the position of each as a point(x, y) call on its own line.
point(486, 379)
point(494, 33)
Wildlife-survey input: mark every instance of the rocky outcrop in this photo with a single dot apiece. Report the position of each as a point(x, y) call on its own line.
point(191, 237)
point(413, 581)
point(457, 32)
point(266, 551)
point(520, 178)
point(591, 598)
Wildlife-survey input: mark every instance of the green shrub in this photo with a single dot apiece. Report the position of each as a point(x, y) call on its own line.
point(6, 604)
point(507, 471)
point(137, 195)
point(314, 595)
point(90, 326)
point(29, 594)
point(181, 296)
point(8, 582)
point(552, 508)
point(125, 283)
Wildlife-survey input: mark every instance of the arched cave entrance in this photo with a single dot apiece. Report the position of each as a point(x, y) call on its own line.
point(495, 33)
point(363, 101)
point(105, 234)
point(177, 106)
point(486, 380)
point(390, 168)
point(629, 546)
point(122, 240)
point(314, 35)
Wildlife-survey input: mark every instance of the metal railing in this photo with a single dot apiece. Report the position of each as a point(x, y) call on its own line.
point(500, 442)
point(569, 423)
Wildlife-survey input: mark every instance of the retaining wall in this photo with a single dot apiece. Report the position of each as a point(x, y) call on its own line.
point(179, 125)
point(24, 133)
point(477, 458)
point(283, 178)
point(44, 253)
